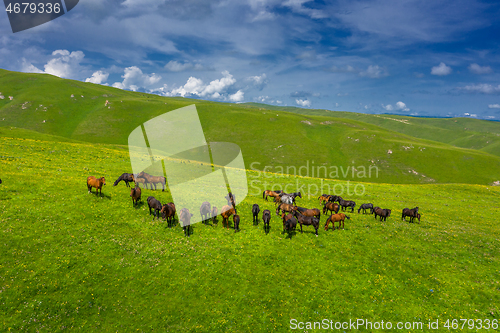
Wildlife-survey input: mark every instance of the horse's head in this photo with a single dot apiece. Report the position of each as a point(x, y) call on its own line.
point(102, 180)
point(388, 212)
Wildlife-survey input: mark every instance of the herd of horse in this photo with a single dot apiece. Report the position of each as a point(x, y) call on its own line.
point(291, 214)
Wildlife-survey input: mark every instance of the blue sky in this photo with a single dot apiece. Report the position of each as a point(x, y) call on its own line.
point(426, 58)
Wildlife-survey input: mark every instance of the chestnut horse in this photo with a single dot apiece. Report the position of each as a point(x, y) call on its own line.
point(309, 212)
point(268, 193)
point(332, 207)
point(135, 193)
point(340, 217)
point(226, 212)
point(97, 183)
point(286, 208)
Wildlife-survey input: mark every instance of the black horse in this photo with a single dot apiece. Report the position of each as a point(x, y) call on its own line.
point(236, 222)
point(307, 220)
point(412, 213)
point(364, 207)
point(126, 177)
point(255, 213)
point(156, 205)
point(346, 203)
point(383, 213)
point(266, 217)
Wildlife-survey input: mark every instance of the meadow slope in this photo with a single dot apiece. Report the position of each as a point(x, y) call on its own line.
point(73, 260)
point(276, 139)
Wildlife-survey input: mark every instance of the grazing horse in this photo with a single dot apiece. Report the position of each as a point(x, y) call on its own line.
point(214, 214)
point(168, 212)
point(309, 212)
point(274, 194)
point(153, 180)
point(205, 211)
point(286, 208)
point(332, 207)
point(324, 198)
point(185, 217)
point(97, 183)
point(135, 193)
point(266, 218)
point(346, 203)
point(236, 222)
point(126, 177)
point(307, 220)
point(340, 217)
point(156, 206)
point(231, 199)
point(412, 213)
point(289, 223)
point(334, 198)
point(383, 213)
point(366, 206)
point(226, 212)
point(255, 213)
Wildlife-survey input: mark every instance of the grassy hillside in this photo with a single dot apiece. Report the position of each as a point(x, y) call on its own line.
point(276, 139)
point(72, 260)
point(460, 132)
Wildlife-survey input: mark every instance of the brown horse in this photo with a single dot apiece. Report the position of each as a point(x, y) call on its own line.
point(155, 205)
point(97, 183)
point(307, 220)
point(324, 198)
point(135, 193)
point(268, 193)
point(340, 217)
point(168, 212)
point(309, 212)
point(286, 208)
point(126, 177)
point(153, 180)
point(332, 207)
point(383, 213)
point(226, 212)
point(236, 222)
point(412, 213)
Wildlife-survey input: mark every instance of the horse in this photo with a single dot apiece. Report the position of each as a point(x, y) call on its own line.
point(339, 217)
point(153, 180)
point(226, 212)
point(231, 199)
point(135, 193)
point(309, 212)
point(171, 204)
point(364, 207)
point(307, 220)
point(214, 214)
point(383, 213)
point(139, 180)
point(331, 206)
point(324, 198)
point(266, 218)
point(255, 213)
point(185, 217)
point(286, 208)
point(97, 183)
point(346, 203)
point(236, 222)
point(334, 198)
point(412, 213)
point(126, 177)
point(156, 205)
point(168, 212)
point(205, 211)
point(273, 194)
point(289, 223)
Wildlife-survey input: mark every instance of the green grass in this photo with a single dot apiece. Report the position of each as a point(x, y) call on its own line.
point(73, 260)
point(426, 151)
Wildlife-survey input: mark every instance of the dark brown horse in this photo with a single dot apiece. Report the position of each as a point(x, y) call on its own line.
point(205, 211)
point(135, 193)
point(153, 180)
point(340, 217)
point(412, 213)
point(383, 213)
point(236, 222)
point(185, 217)
point(226, 212)
point(286, 208)
point(307, 220)
point(346, 203)
point(332, 207)
point(266, 218)
point(97, 183)
point(289, 223)
point(126, 177)
point(255, 213)
point(168, 212)
point(156, 206)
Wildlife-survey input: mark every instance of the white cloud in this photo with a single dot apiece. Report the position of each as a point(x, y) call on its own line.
point(175, 66)
point(98, 77)
point(374, 72)
point(494, 106)
point(441, 69)
point(303, 102)
point(388, 107)
point(217, 86)
point(399, 106)
point(259, 81)
point(193, 86)
point(65, 64)
point(134, 79)
point(239, 96)
point(29, 67)
point(482, 88)
point(476, 69)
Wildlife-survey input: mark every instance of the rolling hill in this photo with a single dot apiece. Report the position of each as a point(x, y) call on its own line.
point(337, 145)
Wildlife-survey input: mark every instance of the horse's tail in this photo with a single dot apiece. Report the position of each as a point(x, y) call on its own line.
point(263, 194)
point(359, 210)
